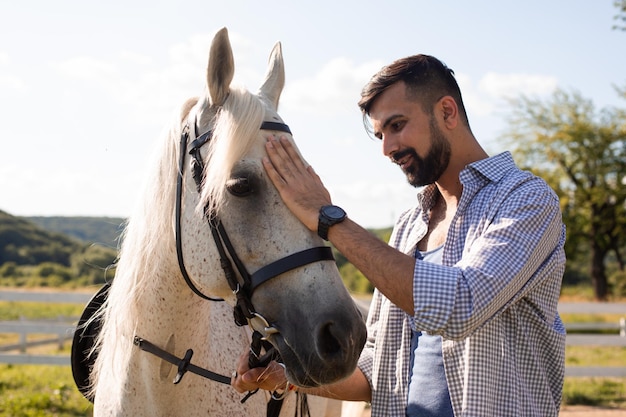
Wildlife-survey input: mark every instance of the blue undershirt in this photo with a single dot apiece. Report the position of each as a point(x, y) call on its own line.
point(428, 388)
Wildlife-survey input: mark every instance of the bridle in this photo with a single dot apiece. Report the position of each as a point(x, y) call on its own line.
point(243, 288)
point(244, 310)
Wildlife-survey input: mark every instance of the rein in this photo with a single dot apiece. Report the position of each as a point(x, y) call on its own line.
point(244, 312)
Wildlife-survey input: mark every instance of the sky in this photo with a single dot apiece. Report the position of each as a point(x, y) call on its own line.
point(87, 86)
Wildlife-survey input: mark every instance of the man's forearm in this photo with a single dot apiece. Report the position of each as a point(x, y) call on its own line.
point(388, 269)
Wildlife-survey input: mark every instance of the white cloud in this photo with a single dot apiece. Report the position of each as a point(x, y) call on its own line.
point(138, 59)
point(131, 82)
point(188, 60)
point(151, 90)
point(475, 101)
point(376, 203)
point(484, 98)
point(510, 85)
point(87, 68)
point(8, 80)
point(332, 89)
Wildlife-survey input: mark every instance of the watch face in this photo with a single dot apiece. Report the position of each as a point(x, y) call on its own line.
point(334, 212)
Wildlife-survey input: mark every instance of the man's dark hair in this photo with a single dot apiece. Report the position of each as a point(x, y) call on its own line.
point(427, 80)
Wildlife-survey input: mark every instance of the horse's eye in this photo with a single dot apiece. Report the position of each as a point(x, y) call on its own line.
point(239, 187)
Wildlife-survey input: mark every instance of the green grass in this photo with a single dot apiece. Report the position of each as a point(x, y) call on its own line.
point(577, 293)
point(45, 391)
point(591, 318)
point(595, 355)
point(40, 391)
point(13, 310)
point(605, 392)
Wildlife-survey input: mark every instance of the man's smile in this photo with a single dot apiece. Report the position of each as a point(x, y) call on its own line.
point(402, 158)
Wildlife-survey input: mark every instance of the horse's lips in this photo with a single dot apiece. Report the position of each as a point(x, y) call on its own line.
point(305, 367)
point(296, 367)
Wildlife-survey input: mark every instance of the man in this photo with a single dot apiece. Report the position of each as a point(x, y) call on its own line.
point(464, 316)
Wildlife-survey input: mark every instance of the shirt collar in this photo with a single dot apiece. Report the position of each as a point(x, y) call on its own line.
point(427, 196)
point(490, 169)
point(493, 168)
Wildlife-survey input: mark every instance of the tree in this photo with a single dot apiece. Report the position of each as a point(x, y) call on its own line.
point(582, 155)
point(621, 16)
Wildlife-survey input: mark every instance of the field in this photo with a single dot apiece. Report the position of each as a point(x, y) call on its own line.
point(48, 390)
point(40, 391)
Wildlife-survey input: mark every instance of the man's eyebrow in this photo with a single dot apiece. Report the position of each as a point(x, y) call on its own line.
point(390, 120)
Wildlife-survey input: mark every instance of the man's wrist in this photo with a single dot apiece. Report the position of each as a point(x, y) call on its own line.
point(329, 215)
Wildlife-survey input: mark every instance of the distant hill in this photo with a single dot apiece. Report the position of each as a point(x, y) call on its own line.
point(78, 251)
point(33, 255)
point(101, 230)
point(25, 243)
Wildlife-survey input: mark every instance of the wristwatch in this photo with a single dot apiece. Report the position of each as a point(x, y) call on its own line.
point(329, 215)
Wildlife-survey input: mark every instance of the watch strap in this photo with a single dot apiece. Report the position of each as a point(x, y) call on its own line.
point(322, 229)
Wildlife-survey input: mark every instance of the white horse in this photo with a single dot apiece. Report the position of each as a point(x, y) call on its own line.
point(176, 253)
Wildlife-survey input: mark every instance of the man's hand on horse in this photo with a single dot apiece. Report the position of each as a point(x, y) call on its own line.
point(296, 181)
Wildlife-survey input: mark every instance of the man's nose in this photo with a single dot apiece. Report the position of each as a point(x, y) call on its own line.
point(389, 145)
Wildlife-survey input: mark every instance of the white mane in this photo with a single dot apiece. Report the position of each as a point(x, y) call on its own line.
point(149, 237)
point(237, 125)
point(141, 248)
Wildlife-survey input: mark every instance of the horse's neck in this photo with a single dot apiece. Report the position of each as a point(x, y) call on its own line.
point(175, 319)
point(176, 315)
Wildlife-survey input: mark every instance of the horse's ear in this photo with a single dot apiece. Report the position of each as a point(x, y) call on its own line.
point(221, 68)
point(274, 77)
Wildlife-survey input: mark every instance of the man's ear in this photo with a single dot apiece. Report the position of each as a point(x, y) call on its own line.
point(449, 110)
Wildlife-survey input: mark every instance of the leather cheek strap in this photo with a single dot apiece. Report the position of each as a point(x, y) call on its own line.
point(295, 260)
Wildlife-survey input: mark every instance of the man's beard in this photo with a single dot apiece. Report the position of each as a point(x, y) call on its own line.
point(425, 171)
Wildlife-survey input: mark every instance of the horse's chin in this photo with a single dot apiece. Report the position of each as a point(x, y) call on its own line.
point(296, 367)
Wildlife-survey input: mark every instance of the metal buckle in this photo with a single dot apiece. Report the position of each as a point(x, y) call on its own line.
point(261, 325)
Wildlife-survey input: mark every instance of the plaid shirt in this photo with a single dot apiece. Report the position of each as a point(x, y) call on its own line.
point(494, 299)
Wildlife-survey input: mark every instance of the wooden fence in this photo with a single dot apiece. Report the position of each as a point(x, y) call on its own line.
point(59, 330)
point(62, 331)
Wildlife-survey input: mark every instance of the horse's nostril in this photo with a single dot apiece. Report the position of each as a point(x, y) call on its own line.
point(329, 344)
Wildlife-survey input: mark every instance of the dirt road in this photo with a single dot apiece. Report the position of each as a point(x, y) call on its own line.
point(584, 411)
point(572, 411)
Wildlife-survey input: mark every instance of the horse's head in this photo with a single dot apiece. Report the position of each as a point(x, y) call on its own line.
point(300, 304)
